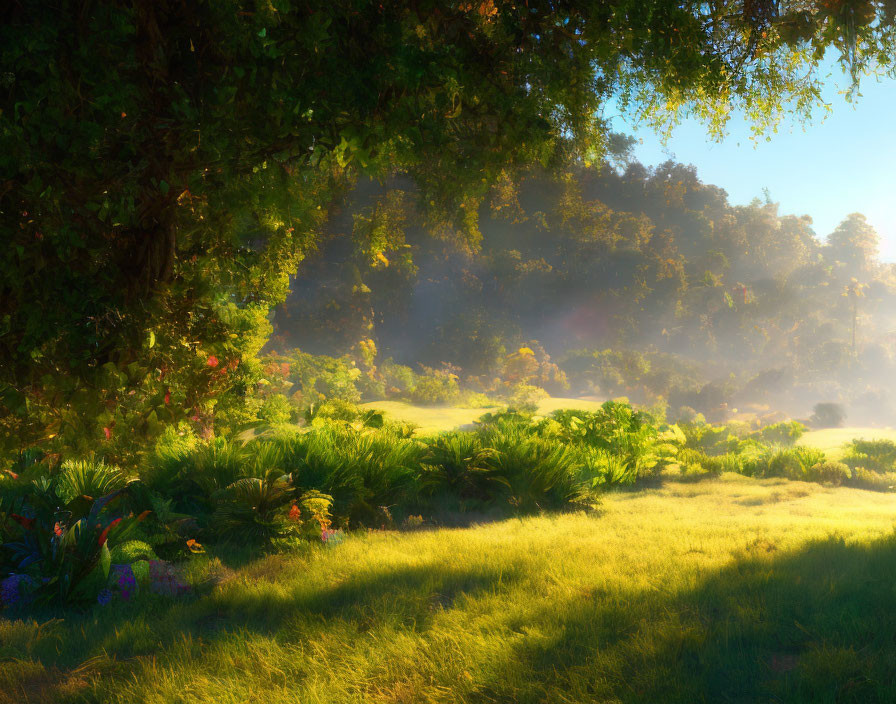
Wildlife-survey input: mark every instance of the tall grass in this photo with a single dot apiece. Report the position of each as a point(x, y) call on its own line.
point(686, 593)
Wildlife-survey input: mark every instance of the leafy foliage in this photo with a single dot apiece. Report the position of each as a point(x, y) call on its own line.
point(457, 464)
point(59, 538)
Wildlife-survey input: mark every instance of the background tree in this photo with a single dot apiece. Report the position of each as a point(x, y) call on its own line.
point(164, 165)
point(853, 247)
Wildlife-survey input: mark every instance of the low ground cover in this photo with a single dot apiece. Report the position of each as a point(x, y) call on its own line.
point(710, 589)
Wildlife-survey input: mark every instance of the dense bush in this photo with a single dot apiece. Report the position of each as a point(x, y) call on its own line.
point(619, 430)
point(874, 455)
point(828, 472)
point(57, 528)
point(827, 415)
point(457, 465)
point(781, 433)
point(435, 386)
point(62, 525)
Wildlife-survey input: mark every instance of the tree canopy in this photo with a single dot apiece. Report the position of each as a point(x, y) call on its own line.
point(164, 165)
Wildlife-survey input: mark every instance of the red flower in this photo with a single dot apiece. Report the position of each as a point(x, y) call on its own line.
point(212, 361)
point(295, 513)
point(167, 397)
point(57, 530)
point(105, 534)
point(11, 474)
point(108, 433)
point(26, 523)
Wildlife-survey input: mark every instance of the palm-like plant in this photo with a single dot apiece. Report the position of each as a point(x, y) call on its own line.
point(456, 463)
point(540, 474)
point(59, 542)
point(88, 479)
point(251, 507)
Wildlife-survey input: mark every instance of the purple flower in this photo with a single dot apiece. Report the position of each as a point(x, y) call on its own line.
point(104, 597)
point(124, 576)
point(11, 588)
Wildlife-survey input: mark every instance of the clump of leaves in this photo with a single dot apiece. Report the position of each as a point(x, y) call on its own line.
point(874, 455)
point(457, 464)
point(59, 536)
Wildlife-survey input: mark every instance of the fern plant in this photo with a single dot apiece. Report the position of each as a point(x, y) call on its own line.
point(457, 464)
point(252, 507)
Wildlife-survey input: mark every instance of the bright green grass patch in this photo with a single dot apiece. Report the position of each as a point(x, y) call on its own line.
point(435, 419)
point(710, 591)
point(428, 419)
point(832, 441)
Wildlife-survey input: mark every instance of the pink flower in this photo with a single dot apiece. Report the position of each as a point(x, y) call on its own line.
point(108, 433)
point(212, 361)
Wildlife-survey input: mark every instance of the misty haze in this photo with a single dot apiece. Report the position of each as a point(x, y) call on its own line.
point(447, 352)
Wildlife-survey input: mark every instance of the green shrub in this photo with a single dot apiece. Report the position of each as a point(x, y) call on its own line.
point(620, 430)
point(58, 537)
point(781, 433)
point(363, 470)
point(788, 462)
point(711, 440)
point(606, 470)
point(85, 478)
point(539, 474)
point(252, 508)
point(371, 387)
point(827, 415)
point(316, 377)
point(473, 399)
point(456, 464)
point(828, 472)
point(690, 460)
point(132, 551)
point(398, 378)
point(876, 481)
point(525, 397)
point(435, 387)
point(215, 465)
point(874, 455)
point(277, 410)
point(732, 462)
point(332, 409)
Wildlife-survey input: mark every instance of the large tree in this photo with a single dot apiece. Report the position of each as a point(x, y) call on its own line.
point(164, 164)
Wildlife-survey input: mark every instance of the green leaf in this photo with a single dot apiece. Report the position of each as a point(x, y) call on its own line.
point(152, 339)
point(163, 187)
point(105, 559)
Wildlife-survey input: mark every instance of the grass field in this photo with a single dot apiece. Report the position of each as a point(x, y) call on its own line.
point(434, 419)
point(721, 590)
point(832, 440)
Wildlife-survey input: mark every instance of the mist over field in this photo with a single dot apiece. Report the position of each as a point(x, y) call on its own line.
point(635, 282)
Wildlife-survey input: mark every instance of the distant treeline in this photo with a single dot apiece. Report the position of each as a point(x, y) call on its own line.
point(646, 264)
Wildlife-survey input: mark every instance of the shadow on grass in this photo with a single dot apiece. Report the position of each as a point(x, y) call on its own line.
point(817, 625)
point(814, 626)
point(49, 661)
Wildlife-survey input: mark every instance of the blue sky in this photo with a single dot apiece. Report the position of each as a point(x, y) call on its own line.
point(833, 166)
